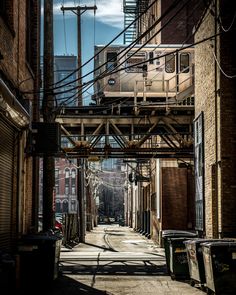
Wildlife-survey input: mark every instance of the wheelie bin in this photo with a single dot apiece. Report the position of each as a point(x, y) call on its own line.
point(38, 259)
point(220, 267)
point(195, 260)
point(166, 234)
point(178, 261)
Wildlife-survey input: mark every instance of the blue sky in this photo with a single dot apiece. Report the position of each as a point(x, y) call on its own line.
point(100, 28)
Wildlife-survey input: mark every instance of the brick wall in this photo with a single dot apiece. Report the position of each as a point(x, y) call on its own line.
point(177, 196)
point(14, 66)
point(215, 96)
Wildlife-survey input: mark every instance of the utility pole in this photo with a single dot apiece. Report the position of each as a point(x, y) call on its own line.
point(48, 116)
point(79, 10)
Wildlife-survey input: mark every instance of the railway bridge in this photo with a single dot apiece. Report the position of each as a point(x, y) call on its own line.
point(149, 131)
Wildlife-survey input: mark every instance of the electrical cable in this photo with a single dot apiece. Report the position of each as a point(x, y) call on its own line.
point(109, 43)
point(125, 49)
point(69, 75)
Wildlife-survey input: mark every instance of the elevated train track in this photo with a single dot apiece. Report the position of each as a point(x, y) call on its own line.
point(90, 128)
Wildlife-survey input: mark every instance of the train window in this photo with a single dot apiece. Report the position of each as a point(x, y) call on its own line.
point(170, 63)
point(184, 62)
point(111, 60)
point(133, 59)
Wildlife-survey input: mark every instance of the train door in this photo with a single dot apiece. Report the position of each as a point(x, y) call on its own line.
point(156, 71)
point(170, 73)
point(184, 71)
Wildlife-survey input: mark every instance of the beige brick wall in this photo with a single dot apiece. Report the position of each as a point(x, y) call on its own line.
point(205, 101)
point(215, 97)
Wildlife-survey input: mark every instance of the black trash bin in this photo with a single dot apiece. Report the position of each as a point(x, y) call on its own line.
point(39, 256)
point(174, 234)
point(220, 267)
point(178, 261)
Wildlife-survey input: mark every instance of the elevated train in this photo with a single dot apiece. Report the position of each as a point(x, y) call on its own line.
point(154, 73)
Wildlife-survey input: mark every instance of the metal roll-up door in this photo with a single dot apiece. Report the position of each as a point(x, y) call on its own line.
point(7, 136)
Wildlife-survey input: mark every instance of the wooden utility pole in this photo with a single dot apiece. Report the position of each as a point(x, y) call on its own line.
point(78, 10)
point(48, 116)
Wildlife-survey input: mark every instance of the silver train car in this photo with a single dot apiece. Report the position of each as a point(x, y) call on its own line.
point(152, 73)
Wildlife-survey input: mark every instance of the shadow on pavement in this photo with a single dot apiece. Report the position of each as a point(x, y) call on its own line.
point(148, 269)
point(63, 285)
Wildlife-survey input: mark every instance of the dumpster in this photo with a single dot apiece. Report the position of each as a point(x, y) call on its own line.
point(195, 259)
point(178, 261)
point(174, 234)
point(220, 266)
point(38, 259)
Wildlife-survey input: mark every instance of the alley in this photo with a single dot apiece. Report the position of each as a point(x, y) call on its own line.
point(116, 260)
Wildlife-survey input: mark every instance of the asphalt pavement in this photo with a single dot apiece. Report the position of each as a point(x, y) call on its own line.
point(117, 261)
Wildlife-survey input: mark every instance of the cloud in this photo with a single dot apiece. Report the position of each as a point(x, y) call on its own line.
point(109, 12)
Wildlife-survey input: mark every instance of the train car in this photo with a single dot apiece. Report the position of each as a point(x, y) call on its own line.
point(151, 73)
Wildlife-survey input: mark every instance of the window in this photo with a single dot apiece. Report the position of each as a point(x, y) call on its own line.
point(111, 60)
point(67, 181)
point(135, 62)
point(170, 63)
point(184, 62)
point(73, 181)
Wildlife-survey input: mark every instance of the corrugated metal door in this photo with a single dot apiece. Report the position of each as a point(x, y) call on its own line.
point(6, 186)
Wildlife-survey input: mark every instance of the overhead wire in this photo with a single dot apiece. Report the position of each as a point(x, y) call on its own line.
point(182, 43)
point(109, 43)
point(106, 73)
point(93, 57)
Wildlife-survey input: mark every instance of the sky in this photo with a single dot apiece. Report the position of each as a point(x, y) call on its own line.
point(99, 28)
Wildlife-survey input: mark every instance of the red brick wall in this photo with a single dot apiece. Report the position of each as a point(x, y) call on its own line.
point(180, 28)
point(177, 196)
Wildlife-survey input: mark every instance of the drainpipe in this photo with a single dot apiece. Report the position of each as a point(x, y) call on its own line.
point(216, 129)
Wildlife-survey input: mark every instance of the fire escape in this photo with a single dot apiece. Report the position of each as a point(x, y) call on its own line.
point(130, 13)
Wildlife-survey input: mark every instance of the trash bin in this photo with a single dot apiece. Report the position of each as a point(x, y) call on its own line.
point(178, 261)
point(39, 256)
point(220, 266)
point(195, 259)
point(174, 234)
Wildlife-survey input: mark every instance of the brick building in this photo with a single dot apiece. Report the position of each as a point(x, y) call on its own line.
point(215, 121)
point(167, 201)
point(19, 72)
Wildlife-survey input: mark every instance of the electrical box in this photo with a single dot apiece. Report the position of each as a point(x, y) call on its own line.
point(46, 138)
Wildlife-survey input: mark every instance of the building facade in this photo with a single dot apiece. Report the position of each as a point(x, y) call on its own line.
point(215, 120)
point(19, 73)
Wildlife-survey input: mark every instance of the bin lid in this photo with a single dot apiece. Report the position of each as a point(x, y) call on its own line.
point(178, 239)
point(40, 236)
point(228, 244)
point(201, 240)
point(178, 233)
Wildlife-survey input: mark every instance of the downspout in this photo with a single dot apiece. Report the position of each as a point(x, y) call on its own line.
point(216, 128)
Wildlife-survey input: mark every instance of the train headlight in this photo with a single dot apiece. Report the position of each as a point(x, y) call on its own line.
point(111, 81)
